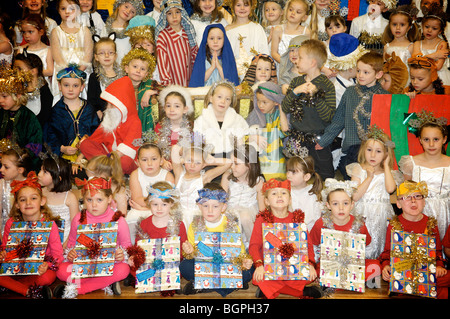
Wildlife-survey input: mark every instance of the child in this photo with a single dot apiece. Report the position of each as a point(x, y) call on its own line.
point(37, 42)
point(30, 206)
point(368, 28)
point(316, 21)
point(295, 13)
point(16, 164)
point(90, 18)
point(123, 12)
point(247, 38)
point(175, 43)
point(432, 166)
point(354, 110)
point(243, 183)
point(401, 33)
point(375, 183)
point(139, 65)
point(334, 24)
point(424, 78)
point(97, 195)
point(262, 69)
point(40, 98)
point(219, 120)
point(71, 43)
point(156, 12)
point(215, 60)
point(305, 195)
point(268, 122)
point(340, 215)
point(6, 39)
point(72, 117)
point(272, 16)
point(434, 42)
point(215, 217)
point(411, 200)
point(177, 120)
point(395, 75)
point(311, 103)
point(206, 12)
point(149, 171)
point(288, 69)
point(55, 179)
point(105, 71)
point(276, 198)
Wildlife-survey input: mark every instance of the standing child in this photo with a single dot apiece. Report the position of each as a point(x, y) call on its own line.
point(295, 13)
point(90, 18)
point(215, 60)
point(212, 202)
point(311, 103)
point(175, 43)
point(206, 12)
point(288, 69)
point(72, 117)
point(334, 24)
point(276, 198)
point(30, 206)
point(156, 12)
point(55, 179)
point(272, 16)
point(97, 195)
point(411, 200)
point(375, 184)
point(432, 166)
point(243, 183)
point(6, 39)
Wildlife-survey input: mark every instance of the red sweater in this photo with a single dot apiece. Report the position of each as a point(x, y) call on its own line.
point(154, 232)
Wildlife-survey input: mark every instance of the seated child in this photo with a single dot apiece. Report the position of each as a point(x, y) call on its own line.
point(395, 75)
point(262, 69)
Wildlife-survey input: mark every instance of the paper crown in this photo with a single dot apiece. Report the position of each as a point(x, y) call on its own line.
point(273, 183)
point(409, 187)
point(13, 81)
point(345, 51)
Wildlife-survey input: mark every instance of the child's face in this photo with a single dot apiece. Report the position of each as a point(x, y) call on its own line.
point(265, 104)
point(221, 100)
point(68, 10)
point(86, 5)
point(277, 198)
point(273, 11)
point(366, 74)
point(9, 168)
point(137, 70)
point(146, 45)
point(174, 17)
point(335, 28)
point(305, 62)
point(432, 140)
point(70, 88)
point(207, 7)
point(372, 9)
point(31, 34)
point(215, 40)
point(431, 29)
point(160, 208)
point(212, 210)
point(421, 79)
point(126, 11)
point(374, 153)
point(412, 206)
point(426, 4)
point(263, 70)
point(340, 205)
point(399, 25)
point(106, 54)
point(297, 178)
point(157, 5)
point(239, 168)
point(296, 13)
point(322, 4)
point(193, 162)
point(241, 9)
point(7, 102)
point(29, 202)
point(175, 108)
point(386, 81)
point(150, 161)
point(33, 5)
point(97, 204)
point(293, 55)
point(45, 178)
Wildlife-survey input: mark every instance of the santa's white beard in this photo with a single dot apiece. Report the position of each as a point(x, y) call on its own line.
point(111, 119)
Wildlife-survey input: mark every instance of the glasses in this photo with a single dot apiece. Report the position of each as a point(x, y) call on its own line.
point(410, 197)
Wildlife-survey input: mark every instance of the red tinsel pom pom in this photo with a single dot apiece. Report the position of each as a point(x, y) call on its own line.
point(267, 215)
point(94, 250)
point(167, 293)
point(286, 250)
point(138, 254)
point(24, 248)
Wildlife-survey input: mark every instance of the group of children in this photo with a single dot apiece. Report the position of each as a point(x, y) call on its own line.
point(107, 106)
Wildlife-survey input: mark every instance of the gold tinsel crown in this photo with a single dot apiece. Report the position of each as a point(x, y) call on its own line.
point(13, 81)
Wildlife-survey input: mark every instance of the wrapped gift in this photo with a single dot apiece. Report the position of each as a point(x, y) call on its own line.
point(342, 260)
point(25, 248)
point(216, 264)
point(160, 270)
point(96, 248)
point(413, 264)
point(285, 251)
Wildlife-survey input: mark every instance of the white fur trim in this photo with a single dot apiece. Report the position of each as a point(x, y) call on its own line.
point(117, 103)
point(128, 151)
point(179, 89)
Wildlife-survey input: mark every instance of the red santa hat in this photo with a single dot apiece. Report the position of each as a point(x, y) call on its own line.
point(121, 94)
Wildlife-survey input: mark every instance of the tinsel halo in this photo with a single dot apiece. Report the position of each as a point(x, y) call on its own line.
point(143, 55)
point(332, 184)
point(139, 32)
point(346, 62)
point(13, 81)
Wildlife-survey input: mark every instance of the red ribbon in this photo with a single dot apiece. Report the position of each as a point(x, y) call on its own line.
point(273, 183)
point(94, 184)
point(30, 181)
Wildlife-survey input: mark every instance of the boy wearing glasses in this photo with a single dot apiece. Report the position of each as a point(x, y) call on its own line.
point(411, 200)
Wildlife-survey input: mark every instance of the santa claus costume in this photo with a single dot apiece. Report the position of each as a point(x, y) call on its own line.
point(119, 128)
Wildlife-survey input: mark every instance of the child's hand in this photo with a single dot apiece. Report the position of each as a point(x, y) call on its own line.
point(440, 271)
point(386, 162)
point(68, 150)
point(187, 247)
point(318, 147)
point(72, 255)
point(258, 274)
point(303, 88)
point(370, 171)
point(119, 254)
point(312, 88)
point(312, 272)
point(136, 206)
point(386, 273)
point(167, 165)
point(145, 101)
point(42, 268)
point(411, 94)
point(247, 263)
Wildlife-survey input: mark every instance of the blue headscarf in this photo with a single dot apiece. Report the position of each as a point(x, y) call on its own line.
point(227, 58)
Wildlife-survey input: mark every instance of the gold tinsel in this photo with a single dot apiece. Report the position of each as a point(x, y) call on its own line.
point(141, 32)
point(237, 261)
point(143, 55)
point(191, 255)
point(14, 81)
point(348, 61)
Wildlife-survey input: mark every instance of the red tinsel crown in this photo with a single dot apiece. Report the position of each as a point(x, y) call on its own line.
point(30, 181)
point(93, 184)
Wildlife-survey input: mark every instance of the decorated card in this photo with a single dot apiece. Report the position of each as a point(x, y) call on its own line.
point(413, 264)
point(285, 251)
point(160, 270)
point(342, 260)
point(216, 264)
point(25, 248)
point(96, 248)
